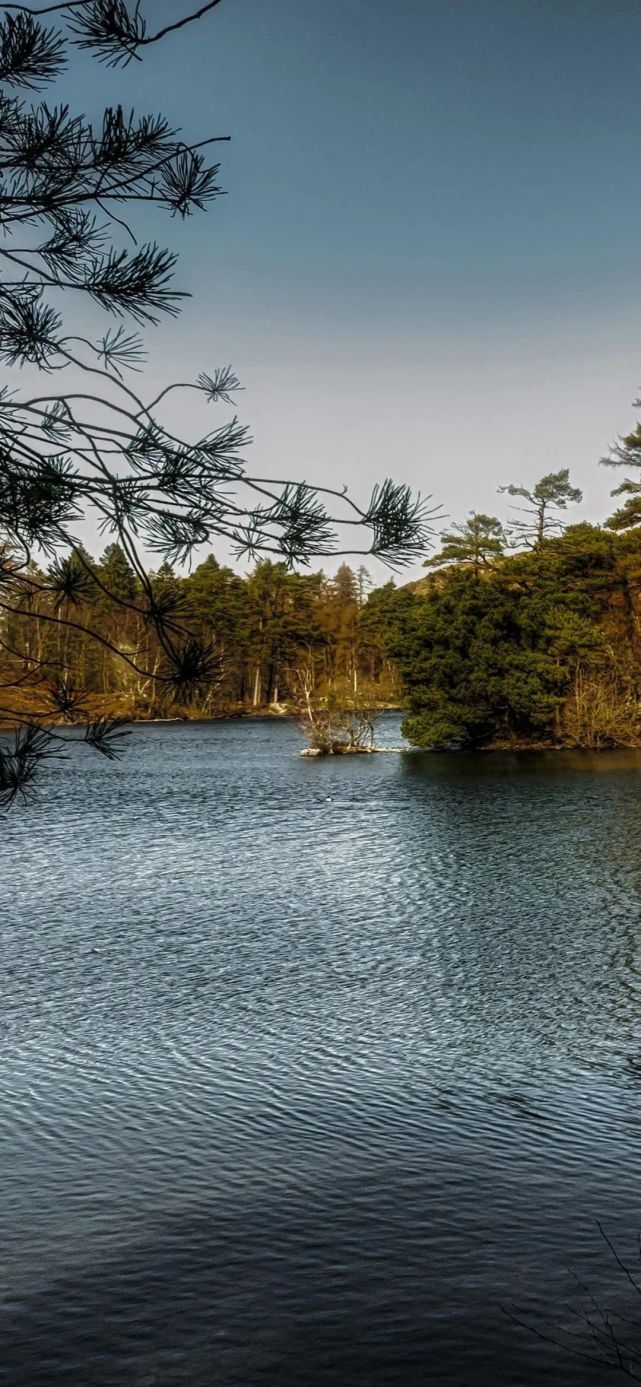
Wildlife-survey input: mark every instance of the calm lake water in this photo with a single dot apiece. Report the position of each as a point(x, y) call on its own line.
point(311, 1071)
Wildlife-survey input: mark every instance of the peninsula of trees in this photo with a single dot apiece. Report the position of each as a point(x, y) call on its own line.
point(530, 635)
point(525, 635)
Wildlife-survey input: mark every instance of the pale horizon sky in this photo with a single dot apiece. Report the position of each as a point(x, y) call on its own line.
point(427, 265)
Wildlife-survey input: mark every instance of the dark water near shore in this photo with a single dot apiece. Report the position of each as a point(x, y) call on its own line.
point(308, 1069)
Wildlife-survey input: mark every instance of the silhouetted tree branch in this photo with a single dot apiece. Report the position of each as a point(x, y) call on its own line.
point(601, 1334)
point(68, 187)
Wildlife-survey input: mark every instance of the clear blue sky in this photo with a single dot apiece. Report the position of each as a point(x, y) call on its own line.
point(429, 260)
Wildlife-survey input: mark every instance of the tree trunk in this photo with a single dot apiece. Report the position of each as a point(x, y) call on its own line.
point(257, 688)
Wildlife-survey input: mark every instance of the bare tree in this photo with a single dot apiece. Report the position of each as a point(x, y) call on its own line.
point(331, 728)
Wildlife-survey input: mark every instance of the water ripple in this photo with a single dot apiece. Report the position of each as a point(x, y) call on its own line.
point(307, 1069)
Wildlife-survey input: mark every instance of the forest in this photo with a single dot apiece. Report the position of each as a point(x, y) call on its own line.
point(528, 635)
point(273, 637)
point(519, 635)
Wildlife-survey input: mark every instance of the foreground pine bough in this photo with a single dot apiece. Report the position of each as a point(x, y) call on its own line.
point(98, 448)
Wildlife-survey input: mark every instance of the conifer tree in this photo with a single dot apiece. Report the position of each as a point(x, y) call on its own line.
point(478, 542)
point(551, 494)
point(626, 453)
point(69, 191)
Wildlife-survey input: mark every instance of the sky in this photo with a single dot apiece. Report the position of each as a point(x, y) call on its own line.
point(428, 261)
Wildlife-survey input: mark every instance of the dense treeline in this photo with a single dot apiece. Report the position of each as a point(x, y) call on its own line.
point(519, 635)
point(276, 638)
point(536, 647)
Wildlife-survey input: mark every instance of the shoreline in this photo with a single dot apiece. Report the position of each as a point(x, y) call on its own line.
point(282, 714)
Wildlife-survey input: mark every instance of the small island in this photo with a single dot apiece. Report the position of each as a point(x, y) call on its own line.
point(523, 635)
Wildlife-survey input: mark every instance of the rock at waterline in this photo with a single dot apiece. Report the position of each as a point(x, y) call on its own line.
point(340, 749)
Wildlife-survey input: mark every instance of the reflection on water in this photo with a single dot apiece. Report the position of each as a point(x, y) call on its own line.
point(310, 1068)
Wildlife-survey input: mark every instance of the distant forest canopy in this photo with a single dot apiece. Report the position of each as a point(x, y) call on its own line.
point(525, 634)
point(275, 635)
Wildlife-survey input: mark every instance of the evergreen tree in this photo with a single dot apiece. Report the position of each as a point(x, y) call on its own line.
point(217, 609)
point(495, 662)
point(341, 621)
point(478, 542)
point(364, 584)
point(551, 494)
point(117, 577)
point(380, 623)
point(546, 649)
point(345, 585)
point(626, 453)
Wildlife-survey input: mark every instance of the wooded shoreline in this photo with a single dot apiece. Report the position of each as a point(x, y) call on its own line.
point(527, 651)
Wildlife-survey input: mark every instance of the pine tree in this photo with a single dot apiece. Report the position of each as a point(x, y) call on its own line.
point(479, 541)
point(551, 494)
point(516, 659)
point(626, 453)
point(70, 190)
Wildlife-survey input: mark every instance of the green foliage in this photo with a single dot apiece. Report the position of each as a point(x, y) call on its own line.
point(543, 647)
point(117, 575)
point(495, 661)
point(474, 666)
point(479, 541)
point(626, 453)
point(552, 493)
point(92, 630)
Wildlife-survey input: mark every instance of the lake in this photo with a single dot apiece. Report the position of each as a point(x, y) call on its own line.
point(317, 1072)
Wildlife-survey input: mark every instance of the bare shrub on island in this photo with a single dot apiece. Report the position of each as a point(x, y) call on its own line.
point(331, 726)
